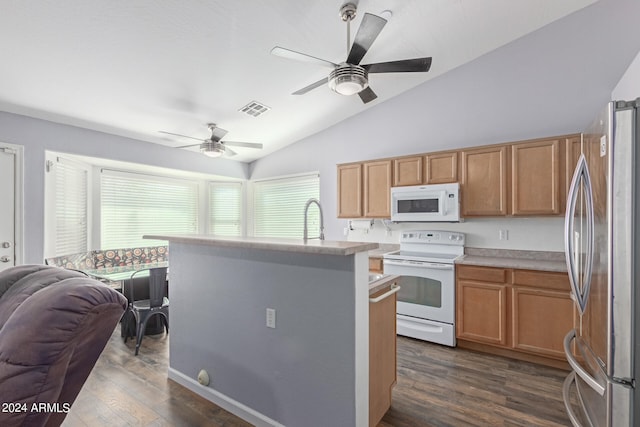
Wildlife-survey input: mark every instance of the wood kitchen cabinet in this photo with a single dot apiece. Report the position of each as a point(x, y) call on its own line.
point(482, 314)
point(382, 354)
point(377, 189)
point(364, 189)
point(535, 178)
point(436, 168)
point(526, 178)
point(484, 181)
point(573, 148)
point(441, 168)
point(518, 313)
point(408, 171)
point(543, 312)
point(376, 265)
point(350, 190)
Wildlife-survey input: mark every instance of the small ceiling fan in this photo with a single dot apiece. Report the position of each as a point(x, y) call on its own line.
point(214, 147)
point(349, 77)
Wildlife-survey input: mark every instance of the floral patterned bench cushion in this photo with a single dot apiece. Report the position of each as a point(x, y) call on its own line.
point(111, 258)
point(129, 256)
point(79, 261)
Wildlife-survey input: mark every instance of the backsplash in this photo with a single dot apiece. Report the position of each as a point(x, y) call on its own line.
point(530, 234)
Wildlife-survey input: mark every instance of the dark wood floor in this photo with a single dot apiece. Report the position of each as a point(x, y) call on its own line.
point(437, 386)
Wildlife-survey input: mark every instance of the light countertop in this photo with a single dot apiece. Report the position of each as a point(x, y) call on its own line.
point(524, 260)
point(312, 246)
point(383, 249)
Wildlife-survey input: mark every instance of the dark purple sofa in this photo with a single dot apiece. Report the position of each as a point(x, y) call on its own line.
point(54, 324)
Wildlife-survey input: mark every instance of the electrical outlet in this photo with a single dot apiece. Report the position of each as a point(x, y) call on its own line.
point(603, 146)
point(503, 234)
point(271, 318)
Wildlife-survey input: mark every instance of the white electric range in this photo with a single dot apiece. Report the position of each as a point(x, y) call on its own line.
point(426, 300)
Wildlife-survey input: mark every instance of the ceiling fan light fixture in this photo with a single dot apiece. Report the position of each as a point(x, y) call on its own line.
point(212, 154)
point(211, 149)
point(348, 79)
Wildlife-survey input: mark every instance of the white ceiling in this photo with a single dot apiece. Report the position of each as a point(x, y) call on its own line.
point(132, 68)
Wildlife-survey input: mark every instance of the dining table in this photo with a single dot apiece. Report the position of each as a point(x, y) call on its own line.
point(114, 276)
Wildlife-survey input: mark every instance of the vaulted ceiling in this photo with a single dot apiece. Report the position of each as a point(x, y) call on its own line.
point(135, 68)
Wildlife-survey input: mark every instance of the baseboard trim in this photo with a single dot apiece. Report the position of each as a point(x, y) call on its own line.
point(236, 408)
point(513, 354)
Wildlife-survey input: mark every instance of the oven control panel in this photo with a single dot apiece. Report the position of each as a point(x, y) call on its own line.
point(432, 237)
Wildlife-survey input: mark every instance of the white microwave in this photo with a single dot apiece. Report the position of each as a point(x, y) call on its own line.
point(426, 203)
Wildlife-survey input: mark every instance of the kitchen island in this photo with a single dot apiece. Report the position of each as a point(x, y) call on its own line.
point(279, 326)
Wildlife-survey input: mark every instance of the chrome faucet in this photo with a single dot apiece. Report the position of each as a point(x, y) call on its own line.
point(306, 228)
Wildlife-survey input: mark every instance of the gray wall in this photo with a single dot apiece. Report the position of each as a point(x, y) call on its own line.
point(628, 88)
point(36, 136)
point(550, 82)
point(302, 373)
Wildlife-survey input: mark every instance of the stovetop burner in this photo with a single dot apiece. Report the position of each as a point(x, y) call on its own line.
point(429, 246)
point(422, 256)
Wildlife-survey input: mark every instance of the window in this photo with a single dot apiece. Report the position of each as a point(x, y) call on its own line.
point(132, 205)
point(278, 207)
point(71, 188)
point(225, 207)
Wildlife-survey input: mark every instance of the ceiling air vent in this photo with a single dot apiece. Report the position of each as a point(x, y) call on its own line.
point(254, 109)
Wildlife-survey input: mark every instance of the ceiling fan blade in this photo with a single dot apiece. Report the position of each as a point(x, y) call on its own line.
point(367, 95)
point(297, 56)
point(416, 65)
point(367, 33)
point(217, 133)
point(177, 134)
point(243, 144)
point(188, 146)
point(311, 86)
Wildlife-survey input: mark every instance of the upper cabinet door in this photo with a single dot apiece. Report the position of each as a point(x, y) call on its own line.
point(377, 189)
point(484, 181)
point(350, 190)
point(573, 149)
point(407, 171)
point(535, 177)
point(442, 168)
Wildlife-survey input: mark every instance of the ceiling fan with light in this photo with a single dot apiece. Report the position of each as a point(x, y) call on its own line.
point(213, 146)
point(349, 77)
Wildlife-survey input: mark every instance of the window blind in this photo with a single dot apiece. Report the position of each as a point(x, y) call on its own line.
point(225, 208)
point(278, 207)
point(71, 211)
point(132, 205)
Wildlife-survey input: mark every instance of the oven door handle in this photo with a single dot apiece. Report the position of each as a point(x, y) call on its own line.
point(418, 264)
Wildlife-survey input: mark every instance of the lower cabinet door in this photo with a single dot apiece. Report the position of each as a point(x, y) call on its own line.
point(482, 312)
point(382, 355)
point(540, 320)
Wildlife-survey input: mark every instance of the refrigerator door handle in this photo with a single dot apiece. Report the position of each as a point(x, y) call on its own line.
point(566, 387)
point(578, 369)
point(580, 284)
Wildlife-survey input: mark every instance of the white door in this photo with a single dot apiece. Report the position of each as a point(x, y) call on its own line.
point(7, 208)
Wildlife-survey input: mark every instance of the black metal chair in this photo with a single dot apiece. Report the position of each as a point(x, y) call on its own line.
point(143, 309)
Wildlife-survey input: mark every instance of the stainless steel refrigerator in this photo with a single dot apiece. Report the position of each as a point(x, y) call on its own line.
point(601, 246)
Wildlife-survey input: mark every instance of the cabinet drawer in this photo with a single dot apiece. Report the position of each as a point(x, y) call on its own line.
point(375, 265)
point(542, 279)
point(485, 274)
